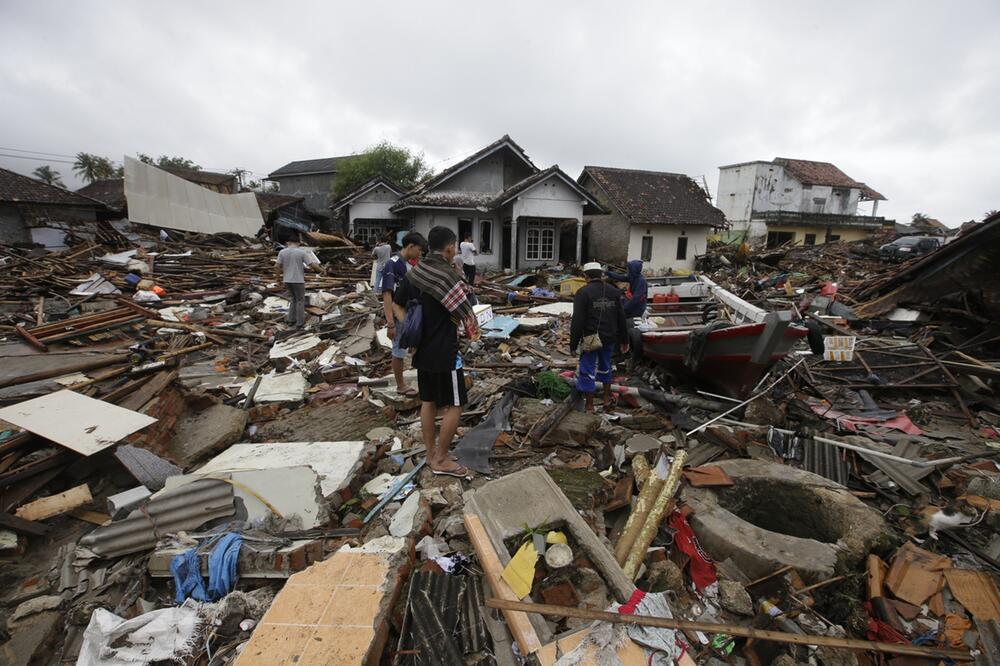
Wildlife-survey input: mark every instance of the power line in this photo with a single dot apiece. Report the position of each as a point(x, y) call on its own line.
point(37, 152)
point(36, 159)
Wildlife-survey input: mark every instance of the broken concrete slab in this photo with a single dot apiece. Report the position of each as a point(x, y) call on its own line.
point(530, 497)
point(336, 463)
point(292, 494)
point(291, 347)
point(36, 605)
point(32, 640)
point(641, 443)
point(334, 612)
point(256, 559)
point(776, 515)
point(576, 428)
point(278, 387)
point(409, 517)
point(206, 432)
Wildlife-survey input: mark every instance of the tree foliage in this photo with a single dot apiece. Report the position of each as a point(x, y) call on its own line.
point(169, 162)
point(920, 217)
point(47, 174)
point(397, 163)
point(94, 167)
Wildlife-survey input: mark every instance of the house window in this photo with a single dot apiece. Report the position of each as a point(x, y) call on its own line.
point(776, 238)
point(682, 248)
point(810, 239)
point(486, 236)
point(540, 241)
point(646, 254)
point(832, 238)
point(819, 203)
point(367, 232)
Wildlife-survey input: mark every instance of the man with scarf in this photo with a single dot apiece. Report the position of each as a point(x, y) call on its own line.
point(446, 302)
point(635, 299)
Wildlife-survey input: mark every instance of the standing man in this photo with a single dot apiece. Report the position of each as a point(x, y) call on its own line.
point(445, 302)
point(635, 300)
point(382, 252)
point(293, 261)
point(468, 251)
point(597, 311)
point(393, 273)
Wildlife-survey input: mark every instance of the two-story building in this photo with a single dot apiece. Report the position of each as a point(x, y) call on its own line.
point(802, 201)
point(309, 179)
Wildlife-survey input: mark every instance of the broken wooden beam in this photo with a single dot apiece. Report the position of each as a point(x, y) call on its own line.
point(730, 630)
point(550, 421)
point(55, 505)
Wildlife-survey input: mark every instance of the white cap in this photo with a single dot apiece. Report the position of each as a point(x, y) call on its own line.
point(592, 266)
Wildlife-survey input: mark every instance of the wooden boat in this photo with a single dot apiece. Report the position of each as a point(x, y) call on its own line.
point(716, 338)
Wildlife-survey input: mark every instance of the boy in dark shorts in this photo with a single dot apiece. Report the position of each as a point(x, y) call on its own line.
point(446, 304)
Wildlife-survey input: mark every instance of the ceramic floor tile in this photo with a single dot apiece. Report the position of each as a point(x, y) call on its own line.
point(336, 646)
point(298, 604)
point(367, 569)
point(275, 646)
point(329, 572)
point(353, 606)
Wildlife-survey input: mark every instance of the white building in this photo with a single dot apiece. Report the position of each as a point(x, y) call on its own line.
point(795, 200)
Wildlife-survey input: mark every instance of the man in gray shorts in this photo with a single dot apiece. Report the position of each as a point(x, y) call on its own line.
point(293, 261)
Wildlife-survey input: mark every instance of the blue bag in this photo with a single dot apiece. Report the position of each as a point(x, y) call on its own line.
point(410, 331)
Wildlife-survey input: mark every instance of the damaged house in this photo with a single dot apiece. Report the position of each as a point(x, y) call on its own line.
point(661, 218)
point(366, 210)
point(32, 211)
point(799, 201)
point(310, 179)
point(519, 216)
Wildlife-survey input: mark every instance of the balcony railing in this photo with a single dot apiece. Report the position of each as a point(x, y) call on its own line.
point(821, 219)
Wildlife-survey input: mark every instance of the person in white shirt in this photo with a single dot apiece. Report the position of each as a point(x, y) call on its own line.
point(468, 253)
point(382, 252)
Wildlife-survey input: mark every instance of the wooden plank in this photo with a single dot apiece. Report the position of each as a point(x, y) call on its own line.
point(54, 505)
point(31, 339)
point(94, 517)
point(21, 525)
point(730, 629)
point(518, 622)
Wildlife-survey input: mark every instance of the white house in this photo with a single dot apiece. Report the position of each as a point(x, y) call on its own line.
point(519, 216)
point(802, 201)
point(661, 218)
point(368, 209)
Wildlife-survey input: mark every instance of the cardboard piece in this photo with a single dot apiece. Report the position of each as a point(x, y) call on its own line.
point(79, 423)
point(916, 574)
point(976, 591)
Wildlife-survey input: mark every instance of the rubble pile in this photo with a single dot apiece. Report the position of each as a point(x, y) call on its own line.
point(186, 478)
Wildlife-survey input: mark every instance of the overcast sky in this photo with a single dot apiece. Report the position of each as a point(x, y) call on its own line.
point(902, 95)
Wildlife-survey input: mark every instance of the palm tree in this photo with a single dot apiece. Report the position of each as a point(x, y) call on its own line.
point(93, 167)
point(46, 174)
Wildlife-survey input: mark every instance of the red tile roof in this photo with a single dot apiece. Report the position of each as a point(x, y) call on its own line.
point(109, 190)
point(22, 189)
point(655, 197)
point(809, 172)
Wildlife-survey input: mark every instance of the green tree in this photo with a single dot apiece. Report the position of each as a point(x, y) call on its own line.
point(396, 163)
point(93, 167)
point(920, 218)
point(47, 174)
point(169, 162)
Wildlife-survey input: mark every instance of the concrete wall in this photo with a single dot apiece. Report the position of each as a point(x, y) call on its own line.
point(314, 187)
point(665, 240)
point(845, 233)
point(12, 227)
point(608, 238)
point(426, 220)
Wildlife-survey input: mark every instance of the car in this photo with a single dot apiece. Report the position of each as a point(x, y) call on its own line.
point(907, 247)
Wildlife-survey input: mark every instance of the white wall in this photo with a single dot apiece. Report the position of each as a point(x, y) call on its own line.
point(426, 220)
point(665, 245)
point(552, 198)
point(373, 205)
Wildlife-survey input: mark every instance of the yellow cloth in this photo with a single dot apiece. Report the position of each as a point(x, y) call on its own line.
point(520, 573)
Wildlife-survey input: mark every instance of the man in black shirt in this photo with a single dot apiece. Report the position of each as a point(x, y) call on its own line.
point(597, 310)
point(446, 303)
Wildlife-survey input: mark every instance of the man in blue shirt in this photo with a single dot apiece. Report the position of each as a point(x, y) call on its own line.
point(395, 269)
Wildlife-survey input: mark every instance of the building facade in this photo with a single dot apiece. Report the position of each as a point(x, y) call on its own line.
point(801, 201)
point(662, 218)
point(310, 179)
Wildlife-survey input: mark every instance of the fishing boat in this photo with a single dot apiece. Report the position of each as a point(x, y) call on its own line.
point(713, 336)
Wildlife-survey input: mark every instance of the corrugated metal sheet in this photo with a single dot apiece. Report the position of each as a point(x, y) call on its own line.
point(826, 460)
point(905, 476)
point(186, 508)
point(440, 600)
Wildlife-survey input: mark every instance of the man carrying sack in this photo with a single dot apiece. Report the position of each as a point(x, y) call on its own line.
point(598, 325)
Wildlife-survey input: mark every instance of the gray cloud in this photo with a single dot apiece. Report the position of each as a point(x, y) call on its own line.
point(902, 95)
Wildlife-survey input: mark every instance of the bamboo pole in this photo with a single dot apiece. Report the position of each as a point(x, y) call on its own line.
point(647, 496)
point(730, 630)
point(644, 537)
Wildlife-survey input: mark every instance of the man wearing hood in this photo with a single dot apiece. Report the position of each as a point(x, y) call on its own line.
point(635, 297)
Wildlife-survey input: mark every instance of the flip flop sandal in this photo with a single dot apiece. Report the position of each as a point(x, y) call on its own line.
point(410, 392)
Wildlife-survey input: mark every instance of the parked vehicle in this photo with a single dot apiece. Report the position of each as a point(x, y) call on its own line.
point(906, 247)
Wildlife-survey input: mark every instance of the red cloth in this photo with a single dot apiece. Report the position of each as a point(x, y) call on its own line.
point(880, 631)
point(701, 568)
point(628, 608)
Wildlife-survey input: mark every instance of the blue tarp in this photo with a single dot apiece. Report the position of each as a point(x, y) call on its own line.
point(501, 326)
point(222, 562)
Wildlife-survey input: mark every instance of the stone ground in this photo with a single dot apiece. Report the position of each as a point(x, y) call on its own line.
point(332, 422)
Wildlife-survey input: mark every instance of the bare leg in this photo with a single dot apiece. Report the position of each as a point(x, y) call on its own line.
point(397, 371)
point(589, 403)
point(428, 412)
point(438, 458)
